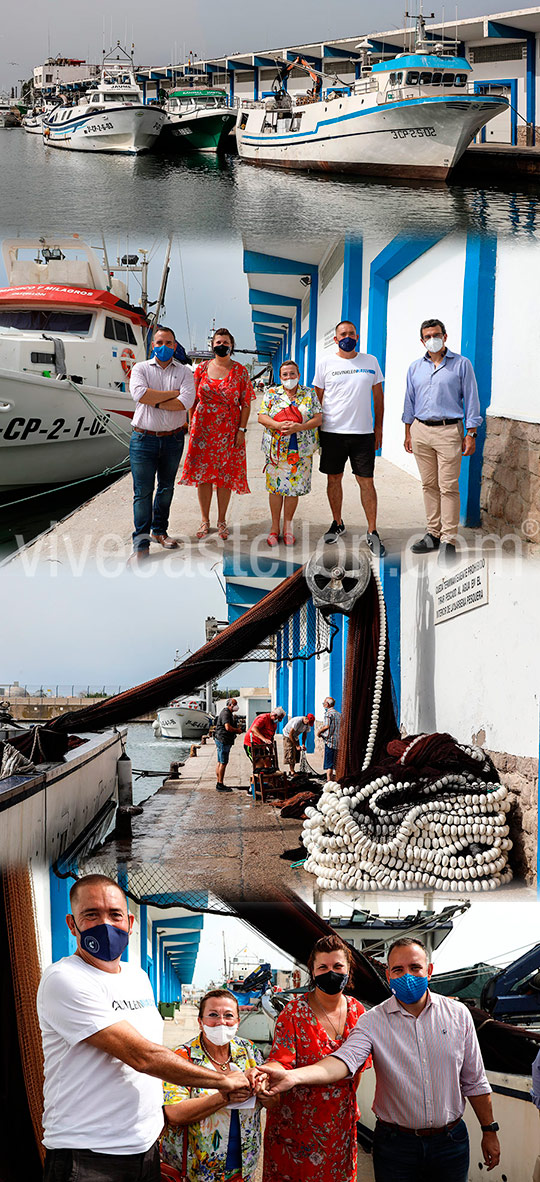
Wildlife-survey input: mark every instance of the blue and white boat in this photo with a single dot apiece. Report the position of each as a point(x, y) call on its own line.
point(111, 117)
point(409, 117)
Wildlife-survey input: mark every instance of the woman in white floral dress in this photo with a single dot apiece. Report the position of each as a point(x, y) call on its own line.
point(291, 415)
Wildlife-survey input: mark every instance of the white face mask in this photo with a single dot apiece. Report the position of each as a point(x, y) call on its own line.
point(290, 383)
point(434, 345)
point(219, 1036)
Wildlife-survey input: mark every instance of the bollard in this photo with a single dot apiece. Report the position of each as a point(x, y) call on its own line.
point(193, 751)
point(174, 770)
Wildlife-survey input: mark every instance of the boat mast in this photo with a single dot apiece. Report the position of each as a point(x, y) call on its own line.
point(163, 285)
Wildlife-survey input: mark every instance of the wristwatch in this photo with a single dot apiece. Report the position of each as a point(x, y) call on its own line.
point(472, 432)
point(492, 1128)
point(244, 429)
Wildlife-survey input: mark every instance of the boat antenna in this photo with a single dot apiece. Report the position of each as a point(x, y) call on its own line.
point(163, 285)
point(106, 261)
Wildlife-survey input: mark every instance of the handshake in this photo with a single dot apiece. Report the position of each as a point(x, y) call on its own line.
point(262, 1082)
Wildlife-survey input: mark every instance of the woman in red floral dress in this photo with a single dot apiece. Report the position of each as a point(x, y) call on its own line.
point(216, 455)
point(310, 1133)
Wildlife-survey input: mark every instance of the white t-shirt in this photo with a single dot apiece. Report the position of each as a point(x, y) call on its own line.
point(347, 384)
point(93, 1100)
point(296, 726)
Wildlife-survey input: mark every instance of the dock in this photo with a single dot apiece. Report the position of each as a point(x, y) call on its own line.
point(223, 840)
point(100, 530)
point(496, 162)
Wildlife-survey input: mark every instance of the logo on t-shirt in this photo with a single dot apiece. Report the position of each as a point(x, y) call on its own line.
point(127, 1004)
point(341, 373)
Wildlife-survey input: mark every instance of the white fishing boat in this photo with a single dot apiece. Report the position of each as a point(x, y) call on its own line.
point(199, 118)
point(68, 340)
point(110, 117)
point(33, 122)
point(10, 116)
point(184, 718)
point(42, 812)
point(409, 117)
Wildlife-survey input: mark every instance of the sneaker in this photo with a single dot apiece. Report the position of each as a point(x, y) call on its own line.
point(334, 533)
point(223, 788)
point(426, 545)
point(447, 555)
point(376, 546)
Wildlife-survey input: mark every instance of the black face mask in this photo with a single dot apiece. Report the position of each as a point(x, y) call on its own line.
point(222, 350)
point(331, 982)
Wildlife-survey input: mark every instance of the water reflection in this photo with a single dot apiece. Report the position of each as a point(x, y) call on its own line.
point(201, 196)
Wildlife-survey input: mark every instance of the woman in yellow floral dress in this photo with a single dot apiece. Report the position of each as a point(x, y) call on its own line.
point(291, 415)
point(223, 1143)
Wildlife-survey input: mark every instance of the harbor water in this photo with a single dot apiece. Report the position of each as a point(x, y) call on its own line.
point(149, 753)
point(200, 196)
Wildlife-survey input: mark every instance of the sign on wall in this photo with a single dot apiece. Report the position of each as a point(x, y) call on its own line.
point(461, 590)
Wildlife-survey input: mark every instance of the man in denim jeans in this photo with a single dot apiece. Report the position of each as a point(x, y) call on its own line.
point(164, 391)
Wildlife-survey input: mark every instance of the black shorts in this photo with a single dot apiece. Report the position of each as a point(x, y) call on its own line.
point(337, 449)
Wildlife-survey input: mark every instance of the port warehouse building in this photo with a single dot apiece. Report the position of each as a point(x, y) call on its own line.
point(474, 673)
point(502, 49)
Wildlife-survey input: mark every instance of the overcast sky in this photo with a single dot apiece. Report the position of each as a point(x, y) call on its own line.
point(31, 30)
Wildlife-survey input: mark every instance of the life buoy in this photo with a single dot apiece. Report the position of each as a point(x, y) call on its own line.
point(296, 978)
point(127, 360)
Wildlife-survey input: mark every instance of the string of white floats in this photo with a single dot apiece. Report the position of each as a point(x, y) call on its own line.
point(455, 839)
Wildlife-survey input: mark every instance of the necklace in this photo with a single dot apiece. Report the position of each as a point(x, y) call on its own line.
point(222, 1066)
point(337, 1031)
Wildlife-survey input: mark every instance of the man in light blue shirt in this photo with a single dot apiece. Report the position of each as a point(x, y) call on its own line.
point(441, 395)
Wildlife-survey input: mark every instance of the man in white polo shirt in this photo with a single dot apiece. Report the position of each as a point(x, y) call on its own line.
point(427, 1064)
point(104, 1062)
point(349, 387)
point(164, 390)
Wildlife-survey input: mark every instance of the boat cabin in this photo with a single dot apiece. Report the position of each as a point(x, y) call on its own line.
point(415, 75)
point(181, 102)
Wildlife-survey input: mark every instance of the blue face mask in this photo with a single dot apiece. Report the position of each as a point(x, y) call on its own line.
point(408, 988)
point(348, 344)
point(103, 941)
point(163, 352)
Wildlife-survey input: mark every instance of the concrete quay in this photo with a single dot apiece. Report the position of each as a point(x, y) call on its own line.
point(99, 531)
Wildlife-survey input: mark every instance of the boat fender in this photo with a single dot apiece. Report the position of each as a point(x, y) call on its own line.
point(47, 132)
point(127, 360)
point(125, 782)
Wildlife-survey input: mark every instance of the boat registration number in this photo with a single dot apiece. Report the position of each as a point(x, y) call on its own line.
point(416, 133)
point(21, 429)
point(93, 127)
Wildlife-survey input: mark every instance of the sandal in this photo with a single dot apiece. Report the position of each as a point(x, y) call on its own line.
point(272, 539)
point(289, 539)
point(223, 530)
point(203, 530)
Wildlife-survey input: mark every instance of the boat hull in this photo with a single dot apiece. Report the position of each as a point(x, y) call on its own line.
point(416, 139)
point(33, 124)
point(49, 435)
point(202, 131)
point(43, 813)
point(122, 129)
point(179, 722)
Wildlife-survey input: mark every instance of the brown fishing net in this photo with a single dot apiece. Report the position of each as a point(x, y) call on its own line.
point(24, 963)
point(358, 689)
point(209, 662)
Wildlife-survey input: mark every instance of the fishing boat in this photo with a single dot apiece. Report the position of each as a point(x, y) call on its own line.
point(46, 807)
point(10, 115)
point(68, 340)
point(110, 117)
point(411, 116)
point(184, 718)
point(33, 123)
point(199, 118)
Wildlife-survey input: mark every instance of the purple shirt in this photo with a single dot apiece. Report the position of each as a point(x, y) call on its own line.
point(425, 1067)
point(445, 391)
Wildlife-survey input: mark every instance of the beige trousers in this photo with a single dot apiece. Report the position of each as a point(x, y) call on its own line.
point(437, 451)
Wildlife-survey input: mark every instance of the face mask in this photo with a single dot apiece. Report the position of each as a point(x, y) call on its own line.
point(222, 350)
point(163, 352)
point(219, 1036)
point(331, 982)
point(408, 988)
point(103, 941)
point(348, 344)
point(434, 345)
point(290, 383)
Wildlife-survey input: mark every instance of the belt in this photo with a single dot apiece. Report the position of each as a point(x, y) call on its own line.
point(160, 434)
point(438, 422)
point(419, 1132)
